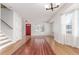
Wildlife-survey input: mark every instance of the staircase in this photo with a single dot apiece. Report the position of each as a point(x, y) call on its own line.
point(4, 40)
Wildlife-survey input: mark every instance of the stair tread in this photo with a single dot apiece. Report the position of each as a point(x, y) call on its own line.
point(2, 35)
point(4, 40)
point(3, 43)
point(5, 37)
point(3, 46)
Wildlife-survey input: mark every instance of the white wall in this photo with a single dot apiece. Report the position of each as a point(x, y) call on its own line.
point(37, 33)
point(52, 28)
point(7, 22)
point(24, 28)
point(0, 17)
point(0, 25)
point(17, 27)
point(10, 17)
point(7, 16)
point(57, 30)
point(6, 30)
point(59, 34)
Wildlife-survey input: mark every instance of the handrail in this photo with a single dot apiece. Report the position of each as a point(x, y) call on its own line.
point(6, 24)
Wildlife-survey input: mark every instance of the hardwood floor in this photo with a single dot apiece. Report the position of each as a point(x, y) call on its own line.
point(35, 46)
point(60, 49)
point(45, 46)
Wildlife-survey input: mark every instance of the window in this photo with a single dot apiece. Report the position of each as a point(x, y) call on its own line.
point(66, 22)
point(69, 17)
point(38, 28)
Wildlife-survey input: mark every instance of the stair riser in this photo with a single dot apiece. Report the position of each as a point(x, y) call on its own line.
point(3, 46)
point(3, 38)
point(5, 43)
point(1, 42)
point(2, 35)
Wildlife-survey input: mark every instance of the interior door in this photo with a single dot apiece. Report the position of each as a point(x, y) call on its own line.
point(28, 29)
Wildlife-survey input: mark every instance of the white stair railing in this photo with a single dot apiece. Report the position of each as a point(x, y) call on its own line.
point(7, 29)
point(6, 34)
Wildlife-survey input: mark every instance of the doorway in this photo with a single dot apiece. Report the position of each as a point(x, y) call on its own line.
point(28, 29)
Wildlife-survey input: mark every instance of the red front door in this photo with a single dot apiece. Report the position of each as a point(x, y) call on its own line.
point(28, 29)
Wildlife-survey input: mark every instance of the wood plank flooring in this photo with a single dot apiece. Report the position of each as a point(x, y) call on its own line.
point(35, 46)
point(60, 49)
point(45, 46)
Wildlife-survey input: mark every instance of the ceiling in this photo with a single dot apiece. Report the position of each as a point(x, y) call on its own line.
point(32, 11)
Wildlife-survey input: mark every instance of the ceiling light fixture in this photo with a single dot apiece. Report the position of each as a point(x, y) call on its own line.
point(52, 6)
